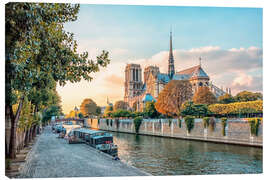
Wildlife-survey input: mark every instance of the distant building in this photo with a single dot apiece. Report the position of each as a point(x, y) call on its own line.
point(102, 109)
point(138, 92)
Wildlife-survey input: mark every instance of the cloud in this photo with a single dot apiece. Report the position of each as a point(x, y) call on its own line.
point(247, 82)
point(240, 69)
point(114, 80)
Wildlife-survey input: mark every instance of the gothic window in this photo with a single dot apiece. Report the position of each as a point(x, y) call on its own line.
point(133, 70)
point(206, 83)
point(136, 74)
point(200, 84)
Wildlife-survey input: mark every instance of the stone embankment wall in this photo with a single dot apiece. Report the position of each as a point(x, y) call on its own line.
point(237, 130)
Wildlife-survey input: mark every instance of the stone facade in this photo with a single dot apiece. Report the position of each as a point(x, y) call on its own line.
point(154, 81)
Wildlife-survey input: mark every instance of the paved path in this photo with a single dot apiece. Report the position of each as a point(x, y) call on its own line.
point(53, 157)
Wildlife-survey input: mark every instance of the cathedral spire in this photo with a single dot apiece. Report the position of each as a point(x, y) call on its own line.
point(171, 70)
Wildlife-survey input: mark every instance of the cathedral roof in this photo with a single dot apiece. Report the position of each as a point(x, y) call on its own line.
point(195, 71)
point(163, 77)
point(148, 98)
point(181, 76)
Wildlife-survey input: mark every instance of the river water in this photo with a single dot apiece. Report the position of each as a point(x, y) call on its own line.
point(166, 156)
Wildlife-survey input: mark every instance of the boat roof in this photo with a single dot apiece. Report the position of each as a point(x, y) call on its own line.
point(88, 131)
point(97, 137)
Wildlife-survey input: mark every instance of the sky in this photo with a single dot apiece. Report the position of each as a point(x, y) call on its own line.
point(229, 40)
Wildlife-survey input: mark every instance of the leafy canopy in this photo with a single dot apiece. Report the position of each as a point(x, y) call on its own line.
point(204, 96)
point(171, 98)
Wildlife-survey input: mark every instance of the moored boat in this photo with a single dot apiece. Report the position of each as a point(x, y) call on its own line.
point(100, 140)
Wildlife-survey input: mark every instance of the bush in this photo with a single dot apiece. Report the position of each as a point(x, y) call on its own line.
point(121, 113)
point(206, 122)
point(117, 123)
point(137, 123)
point(111, 122)
point(249, 107)
point(212, 124)
point(179, 123)
point(254, 125)
point(224, 124)
point(189, 120)
point(170, 122)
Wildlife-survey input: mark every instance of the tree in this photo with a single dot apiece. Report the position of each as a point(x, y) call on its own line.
point(98, 111)
point(108, 110)
point(121, 113)
point(197, 110)
point(120, 105)
point(80, 115)
point(245, 96)
point(89, 107)
point(204, 96)
point(53, 110)
point(174, 94)
point(38, 47)
point(150, 110)
point(226, 99)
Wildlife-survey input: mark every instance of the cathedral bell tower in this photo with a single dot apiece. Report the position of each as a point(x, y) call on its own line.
point(171, 70)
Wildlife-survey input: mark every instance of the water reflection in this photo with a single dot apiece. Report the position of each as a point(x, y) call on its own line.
point(164, 156)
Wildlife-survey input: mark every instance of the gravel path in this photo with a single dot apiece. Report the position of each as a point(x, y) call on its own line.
point(53, 157)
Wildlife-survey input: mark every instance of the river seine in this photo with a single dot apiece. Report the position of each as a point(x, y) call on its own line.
point(166, 156)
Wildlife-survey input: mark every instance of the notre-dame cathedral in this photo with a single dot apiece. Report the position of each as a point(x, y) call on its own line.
point(138, 92)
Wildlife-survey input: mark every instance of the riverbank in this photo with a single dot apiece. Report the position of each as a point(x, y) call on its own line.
point(53, 157)
point(237, 131)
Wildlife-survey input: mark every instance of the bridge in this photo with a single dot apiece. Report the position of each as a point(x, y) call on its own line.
point(73, 120)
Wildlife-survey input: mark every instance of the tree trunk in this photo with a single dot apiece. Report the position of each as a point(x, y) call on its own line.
point(14, 121)
point(30, 134)
point(26, 137)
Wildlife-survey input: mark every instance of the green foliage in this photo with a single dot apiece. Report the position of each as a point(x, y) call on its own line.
point(212, 124)
point(245, 96)
point(121, 113)
point(49, 112)
point(206, 122)
point(98, 110)
point(254, 125)
point(150, 110)
point(39, 49)
point(80, 115)
point(189, 120)
point(170, 122)
point(120, 105)
point(137, 114)
point(224, 124)
point(111, 122)
point(117, 123)
point(137, 123)
point(179, 123)
point(108, 111)
point(226, 99)
point(197, 110)
point(39, 54)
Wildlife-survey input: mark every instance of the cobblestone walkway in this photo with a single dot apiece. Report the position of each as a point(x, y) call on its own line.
point(53, 157)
